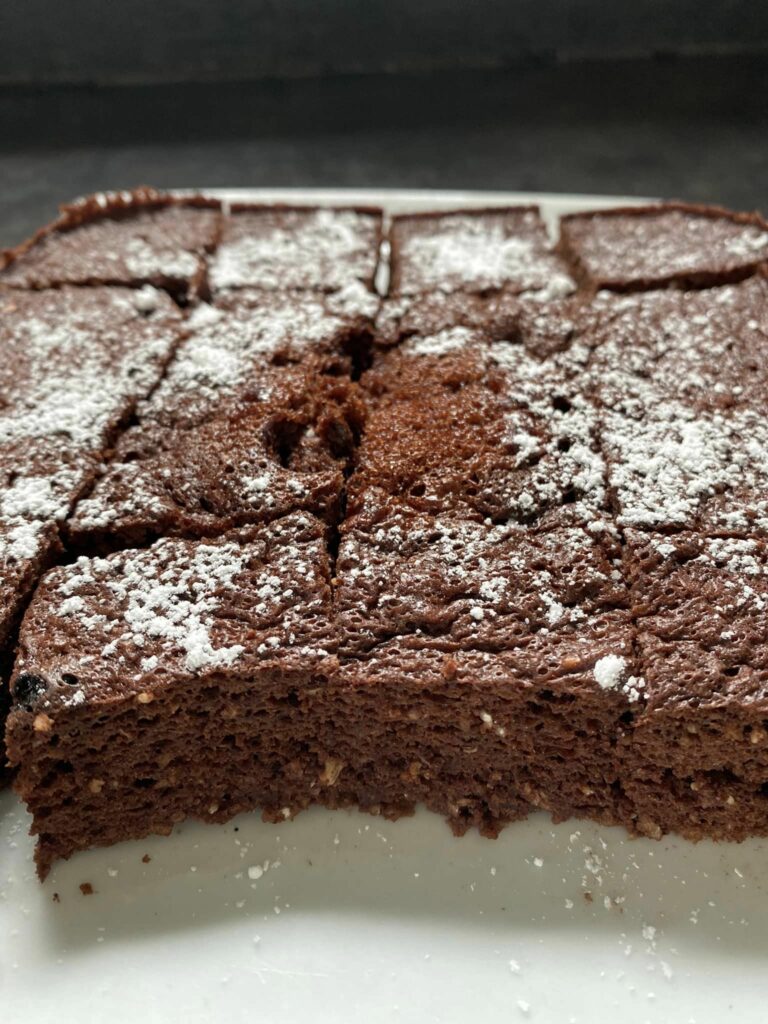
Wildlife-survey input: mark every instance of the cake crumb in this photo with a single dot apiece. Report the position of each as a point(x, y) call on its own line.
point(86, 889)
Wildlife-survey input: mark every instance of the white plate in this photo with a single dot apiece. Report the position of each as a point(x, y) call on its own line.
point(361, 920)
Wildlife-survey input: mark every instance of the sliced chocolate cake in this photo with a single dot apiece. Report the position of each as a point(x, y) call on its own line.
point(494, 542)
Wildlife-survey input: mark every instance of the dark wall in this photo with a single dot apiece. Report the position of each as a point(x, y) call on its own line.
point(121, 41)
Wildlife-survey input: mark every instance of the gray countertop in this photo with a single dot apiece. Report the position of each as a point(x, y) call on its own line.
point(690, 128)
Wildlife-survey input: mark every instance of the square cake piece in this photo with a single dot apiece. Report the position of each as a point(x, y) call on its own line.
point(636, 247)
point(121, 238)
point(76, 361)
point(491, 667)
point(706, 348)
point(458, 423)
point(144, 681)
point(475, 251)
point(678, 468)
point(697, 756)
point(279, 248)
point(256, 417)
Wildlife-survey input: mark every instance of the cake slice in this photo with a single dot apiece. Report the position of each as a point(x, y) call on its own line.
point(696, 759)
point(461, 423)
point(120, 238)
point(475, 251)
point(256, 417)
point(488, 668)
point(164, 683)
point(278, 248)
point(637, 247)
point(706, 348)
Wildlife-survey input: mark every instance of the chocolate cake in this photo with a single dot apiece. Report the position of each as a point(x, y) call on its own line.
point(475, 251)
point(493, 542)
point(75, 362)
point(128, 238)
point(633, 248)
point(282, 248)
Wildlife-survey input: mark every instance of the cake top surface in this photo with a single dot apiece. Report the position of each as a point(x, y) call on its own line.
point(123, 238)
point(456, 423)
point(638, 247)
point(317, 249)
point(451, 583)
point(75, 362)
point(476, 251)
point(281, 448)
point(707, 348)
point(106, 628)
point(251, 421)
point(240, 350)
point(680, 469)
point(700, 606)
point(73, 358)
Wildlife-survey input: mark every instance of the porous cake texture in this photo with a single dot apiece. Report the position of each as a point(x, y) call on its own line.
point(494, 541)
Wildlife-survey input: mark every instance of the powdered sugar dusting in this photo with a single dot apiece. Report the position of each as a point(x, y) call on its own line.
point(305, 249)
point(190, 607)
point(75, 361)
point(609, 671)
point(166, 600)
point(679, 468)
point(476, 253)
point(663, 244)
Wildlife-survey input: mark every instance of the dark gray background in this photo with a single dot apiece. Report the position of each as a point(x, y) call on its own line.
point(654, 97)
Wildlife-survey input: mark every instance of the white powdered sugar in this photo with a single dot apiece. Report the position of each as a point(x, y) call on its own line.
point(75, 362)
point(609, 671)
point(452, 339)
point(674, 466)
point(79, 357)
point(28, 508)
point(459, 251)
point(167, 596)
point(320, 249)
point(154, 259)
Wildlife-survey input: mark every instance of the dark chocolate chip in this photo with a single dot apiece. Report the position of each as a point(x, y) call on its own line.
point(27, 688)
